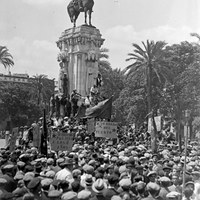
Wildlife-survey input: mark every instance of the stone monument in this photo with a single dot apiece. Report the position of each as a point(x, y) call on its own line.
point(79, 52)
point(79, 57)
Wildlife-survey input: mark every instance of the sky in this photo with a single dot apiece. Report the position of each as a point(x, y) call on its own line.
point(30, 28)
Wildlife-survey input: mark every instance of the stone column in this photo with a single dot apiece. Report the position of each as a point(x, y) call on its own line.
point(82, 45)
point(79, 75)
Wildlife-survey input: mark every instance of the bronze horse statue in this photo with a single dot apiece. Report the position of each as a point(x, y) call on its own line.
point(74, 10)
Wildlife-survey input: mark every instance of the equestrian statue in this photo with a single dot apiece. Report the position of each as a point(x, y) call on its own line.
point(76, 6)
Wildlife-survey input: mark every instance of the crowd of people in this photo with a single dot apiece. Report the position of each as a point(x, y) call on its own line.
point(62, 105)
point(100, 169)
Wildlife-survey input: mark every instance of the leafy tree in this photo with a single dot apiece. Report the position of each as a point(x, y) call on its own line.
point(18, 104)
point(104, 69)
point(6, 58)
point(131, 105)
point(182, 92)
point(113, 83)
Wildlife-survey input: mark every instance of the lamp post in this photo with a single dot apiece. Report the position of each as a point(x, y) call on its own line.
point(187, 116)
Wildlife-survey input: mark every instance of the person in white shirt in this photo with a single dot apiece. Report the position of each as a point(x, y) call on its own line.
point(66, 172)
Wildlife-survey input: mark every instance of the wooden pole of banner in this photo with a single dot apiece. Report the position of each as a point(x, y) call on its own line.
point(186, 144)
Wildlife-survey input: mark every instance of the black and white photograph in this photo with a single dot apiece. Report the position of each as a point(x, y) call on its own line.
point(99, 99)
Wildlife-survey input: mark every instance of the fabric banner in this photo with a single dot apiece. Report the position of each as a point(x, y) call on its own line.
point(91, 125)
point(13, 139)
point(62, 141)
point(106, 129)
point(102, 110)
point(36, 136)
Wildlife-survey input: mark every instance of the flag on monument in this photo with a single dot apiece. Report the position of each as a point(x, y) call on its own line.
point(43, 147)
point(102, 110)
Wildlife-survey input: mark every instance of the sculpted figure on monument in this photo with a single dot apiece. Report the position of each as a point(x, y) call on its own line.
point(63, 81)
point(65, 85)
point(76, 6)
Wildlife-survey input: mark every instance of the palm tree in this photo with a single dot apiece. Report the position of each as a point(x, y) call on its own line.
point(38, 82)
point(148, 63)
point(104, 64)
point(6, 58)
point(104, 70)
point(195, 35)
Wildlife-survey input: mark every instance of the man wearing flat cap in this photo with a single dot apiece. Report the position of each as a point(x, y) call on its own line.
point(141, 190)
point(88, 170)
point(112, 187)
point(152, 176)
point(34, 187)
point(54, 194)
point(45, 184)
point(153, 190)
point(65, 186)
point(125, 185)
point(69, 196)
point(167, 170)
point(173, 195)
point(8, 174)
point(165, 183)
point(84, 195)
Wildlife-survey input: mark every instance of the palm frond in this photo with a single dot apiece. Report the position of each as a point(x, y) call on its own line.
point(5, 57)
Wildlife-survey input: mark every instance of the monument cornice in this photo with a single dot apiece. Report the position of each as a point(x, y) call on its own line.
point(81, 35)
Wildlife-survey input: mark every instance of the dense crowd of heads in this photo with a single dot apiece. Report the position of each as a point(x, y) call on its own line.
point(99, 168)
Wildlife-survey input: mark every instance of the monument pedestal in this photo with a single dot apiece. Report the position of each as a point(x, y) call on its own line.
point(79, 52)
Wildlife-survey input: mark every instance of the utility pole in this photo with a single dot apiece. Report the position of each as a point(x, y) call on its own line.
point(187, 117)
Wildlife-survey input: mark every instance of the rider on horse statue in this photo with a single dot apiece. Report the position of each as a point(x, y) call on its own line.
point(79, 3)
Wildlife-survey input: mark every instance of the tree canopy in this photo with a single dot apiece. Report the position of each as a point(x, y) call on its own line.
point(173, 82)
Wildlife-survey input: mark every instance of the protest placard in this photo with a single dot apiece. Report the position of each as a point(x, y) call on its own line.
point(13, 139)
point(106, 129)
point(61, 141)
point(91, 125)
